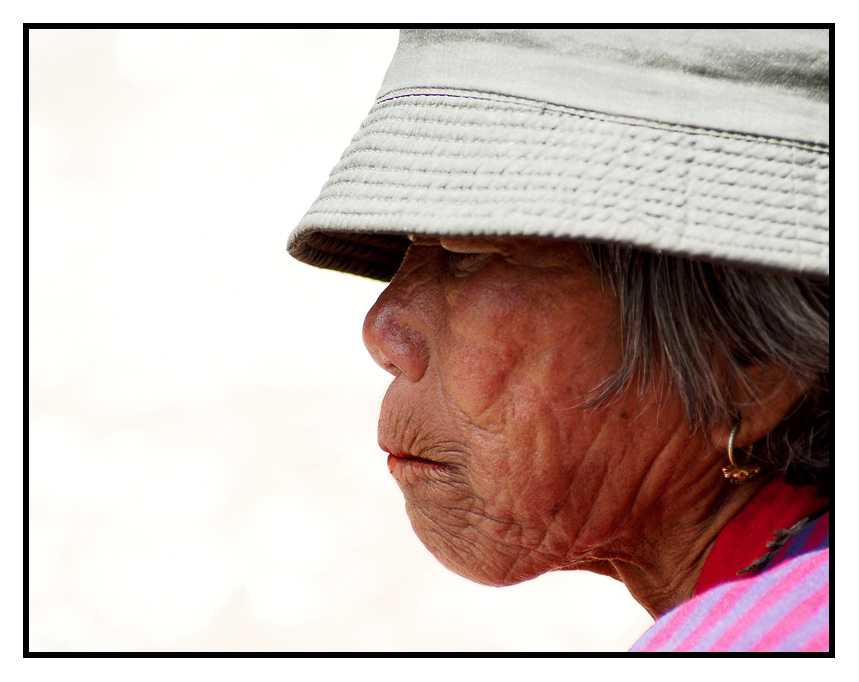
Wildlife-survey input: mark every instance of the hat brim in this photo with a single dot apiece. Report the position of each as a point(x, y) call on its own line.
point(454, 163)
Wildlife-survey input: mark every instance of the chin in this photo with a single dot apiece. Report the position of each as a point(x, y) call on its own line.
point(501, 579)
point(469, 553)
point(477, 569)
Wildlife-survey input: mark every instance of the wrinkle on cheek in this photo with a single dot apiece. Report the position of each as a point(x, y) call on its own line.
point(493, 521)
point(481, 379)
point(482, 351)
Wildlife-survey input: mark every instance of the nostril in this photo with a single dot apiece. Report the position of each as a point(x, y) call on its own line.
point(389, 367)
point(381, 360)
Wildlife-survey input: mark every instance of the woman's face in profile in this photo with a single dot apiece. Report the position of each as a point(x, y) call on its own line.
point(494, 345)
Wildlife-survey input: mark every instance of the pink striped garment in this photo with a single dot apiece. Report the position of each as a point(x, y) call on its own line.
point(784, 608)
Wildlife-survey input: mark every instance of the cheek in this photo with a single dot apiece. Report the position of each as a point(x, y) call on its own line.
point(519, 392)
point(475, 382)
point(483, 344)
point(525, 467)
point(500, 343)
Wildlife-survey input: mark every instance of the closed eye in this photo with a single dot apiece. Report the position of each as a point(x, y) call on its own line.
point(465, 264)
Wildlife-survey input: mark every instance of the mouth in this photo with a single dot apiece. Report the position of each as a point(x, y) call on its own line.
point(402, 462)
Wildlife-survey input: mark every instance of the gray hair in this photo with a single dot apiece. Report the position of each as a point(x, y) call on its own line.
point(699, 328)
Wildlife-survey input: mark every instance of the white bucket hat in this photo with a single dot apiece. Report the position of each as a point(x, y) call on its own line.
point(703, 143)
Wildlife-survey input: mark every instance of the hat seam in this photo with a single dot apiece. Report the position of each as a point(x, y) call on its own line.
point(365, 133)
point(794, 210)
point(334, 179)
point(560, 109)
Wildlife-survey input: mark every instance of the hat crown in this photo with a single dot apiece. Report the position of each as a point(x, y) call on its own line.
point(701, 143)
point(761, 82)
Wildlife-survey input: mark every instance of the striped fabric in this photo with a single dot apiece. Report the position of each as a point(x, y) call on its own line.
point(784, 608)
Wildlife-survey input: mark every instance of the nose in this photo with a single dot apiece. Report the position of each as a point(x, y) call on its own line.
point(395, 333)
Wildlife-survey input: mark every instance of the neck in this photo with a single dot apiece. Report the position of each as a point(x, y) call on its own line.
point(666, 567)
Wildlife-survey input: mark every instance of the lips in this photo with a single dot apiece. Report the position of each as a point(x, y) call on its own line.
point(402, 460)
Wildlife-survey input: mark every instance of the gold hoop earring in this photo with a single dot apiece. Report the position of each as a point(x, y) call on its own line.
point(737, 473)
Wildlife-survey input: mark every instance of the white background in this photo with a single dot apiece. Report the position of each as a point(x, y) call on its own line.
point(203, 467)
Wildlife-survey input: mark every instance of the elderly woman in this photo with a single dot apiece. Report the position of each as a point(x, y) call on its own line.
point(607, 318)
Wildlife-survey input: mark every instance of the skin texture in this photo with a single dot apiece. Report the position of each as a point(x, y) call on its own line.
point(495, 345)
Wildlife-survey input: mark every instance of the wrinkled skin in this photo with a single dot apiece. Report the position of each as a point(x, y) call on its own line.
point(495, 346)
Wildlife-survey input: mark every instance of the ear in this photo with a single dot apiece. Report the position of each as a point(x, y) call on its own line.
point(773, 396)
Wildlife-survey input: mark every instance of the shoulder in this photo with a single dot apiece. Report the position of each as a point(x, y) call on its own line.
point(785, 608)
